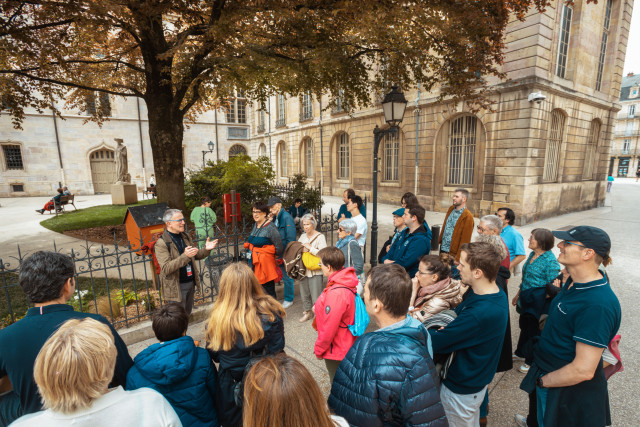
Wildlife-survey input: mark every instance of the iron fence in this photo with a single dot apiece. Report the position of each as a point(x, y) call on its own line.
point(121, 283)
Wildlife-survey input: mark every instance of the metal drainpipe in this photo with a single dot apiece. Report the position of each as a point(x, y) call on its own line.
point(55, 127)
point(269, 131)
point(321, 151)
point(144, 171)
point(215, 115)
point(415, 175)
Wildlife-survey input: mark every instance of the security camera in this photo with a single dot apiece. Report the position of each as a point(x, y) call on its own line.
point(536, 97)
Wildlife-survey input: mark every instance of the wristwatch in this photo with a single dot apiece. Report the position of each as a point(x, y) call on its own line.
point(539, 381)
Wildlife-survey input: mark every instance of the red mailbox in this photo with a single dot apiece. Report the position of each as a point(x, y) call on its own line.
point(228, 210)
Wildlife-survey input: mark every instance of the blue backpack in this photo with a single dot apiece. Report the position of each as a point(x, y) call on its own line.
point(361, 320)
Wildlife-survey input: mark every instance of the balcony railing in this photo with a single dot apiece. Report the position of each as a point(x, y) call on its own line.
point(280, 123)
point(261, 128)
point(625, 134)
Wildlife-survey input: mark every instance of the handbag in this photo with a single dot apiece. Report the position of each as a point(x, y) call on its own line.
point(311, 261)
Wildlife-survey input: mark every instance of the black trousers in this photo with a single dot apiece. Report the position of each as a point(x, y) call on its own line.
point(529, 328)
point(270, 288)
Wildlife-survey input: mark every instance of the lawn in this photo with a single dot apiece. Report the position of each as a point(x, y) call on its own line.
point(96, 216)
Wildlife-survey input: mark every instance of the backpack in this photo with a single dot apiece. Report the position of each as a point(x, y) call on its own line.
point(361, 318)
point(149, 249)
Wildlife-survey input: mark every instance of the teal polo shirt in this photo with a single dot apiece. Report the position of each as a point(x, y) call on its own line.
point(20, 344)
point(585, 312)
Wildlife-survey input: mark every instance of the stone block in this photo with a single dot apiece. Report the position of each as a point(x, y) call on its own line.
point(124, 194)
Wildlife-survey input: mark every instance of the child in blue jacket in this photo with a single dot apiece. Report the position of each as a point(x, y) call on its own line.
point(183, 373)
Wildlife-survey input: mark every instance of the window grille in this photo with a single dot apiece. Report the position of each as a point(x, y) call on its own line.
point(343, 156)
point(282, 153)
point(462, 150)
point(554, 142)
point(308, 151)
point(391, 156)
point(13, 157)
point(237, 150)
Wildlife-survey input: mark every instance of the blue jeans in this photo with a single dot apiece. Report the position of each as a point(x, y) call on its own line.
point(288, 285)
point(484, 408)
point(541, 396)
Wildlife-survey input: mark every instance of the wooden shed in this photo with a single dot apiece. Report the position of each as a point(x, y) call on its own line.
point(142, 222)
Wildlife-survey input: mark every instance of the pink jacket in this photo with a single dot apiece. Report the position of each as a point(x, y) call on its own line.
point(335, 310)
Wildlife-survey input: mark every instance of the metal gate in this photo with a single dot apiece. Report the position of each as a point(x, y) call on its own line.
point(103, 170)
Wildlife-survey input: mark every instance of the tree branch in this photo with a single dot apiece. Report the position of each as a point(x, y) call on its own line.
point(69, 84)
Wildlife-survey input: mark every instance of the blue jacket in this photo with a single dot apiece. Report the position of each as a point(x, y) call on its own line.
point(286, 227)
point(297, 212)
point(183, 374)
point(388, 378)
point(409, 248)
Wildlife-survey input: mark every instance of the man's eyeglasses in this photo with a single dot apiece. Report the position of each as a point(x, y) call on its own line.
point(568, 242)
point(177, 220)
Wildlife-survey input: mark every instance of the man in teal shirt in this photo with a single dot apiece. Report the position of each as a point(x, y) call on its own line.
point(47, 278)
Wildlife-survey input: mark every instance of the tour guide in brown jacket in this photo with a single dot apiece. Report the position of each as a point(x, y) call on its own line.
point(175, 252)
point(456, 232)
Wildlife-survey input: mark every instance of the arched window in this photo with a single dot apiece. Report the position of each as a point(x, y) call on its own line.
point(343, 156)
point(590, 152)
point(282, 159)
point(307, 156)
point(237, 150)
point(262, 150)
point(552, 151)
point(461, 146)
point(391, 153)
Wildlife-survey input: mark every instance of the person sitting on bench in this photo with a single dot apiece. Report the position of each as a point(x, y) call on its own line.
point(51, 203)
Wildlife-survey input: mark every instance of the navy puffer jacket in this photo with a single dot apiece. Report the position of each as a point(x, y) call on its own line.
point(389, 379)
point(183, 374)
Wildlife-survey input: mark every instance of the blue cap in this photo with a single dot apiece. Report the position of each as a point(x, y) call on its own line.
point(399, 212)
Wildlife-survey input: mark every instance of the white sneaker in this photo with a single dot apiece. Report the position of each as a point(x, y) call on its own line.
point(524, 368)
point(287, 304)
point(521, 420)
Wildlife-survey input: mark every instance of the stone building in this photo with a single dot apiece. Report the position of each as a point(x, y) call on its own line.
point(539, 157)
point(625, 145)
point(49, 152)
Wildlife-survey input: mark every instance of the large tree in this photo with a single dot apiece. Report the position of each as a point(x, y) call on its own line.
point(186, 56)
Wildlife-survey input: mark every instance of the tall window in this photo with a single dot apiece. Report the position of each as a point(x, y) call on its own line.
point(563, 42)
point(463, 133)
point(261, 120)
point(343, 156)
point(554, 143)
point(603, 44)
point(237, 109)
point(307, 151)
point(626, 146)
point(632, 111)
point(96, 100)
point(282, 159)
point(12, 157)
point(391, 156)
point(339, 102)
point(306, 112)
point(281, 112)
point(590, 152)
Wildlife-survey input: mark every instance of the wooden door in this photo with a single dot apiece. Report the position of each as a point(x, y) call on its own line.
point(103, 170)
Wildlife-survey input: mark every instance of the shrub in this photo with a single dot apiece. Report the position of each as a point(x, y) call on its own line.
point(250, 178)
point(300, 189)
point(125, 297)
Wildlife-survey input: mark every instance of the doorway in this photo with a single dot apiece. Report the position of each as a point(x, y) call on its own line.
point(103, 170)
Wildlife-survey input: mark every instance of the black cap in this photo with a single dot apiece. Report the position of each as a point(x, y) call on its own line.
point(590, 237)
point(273, 200)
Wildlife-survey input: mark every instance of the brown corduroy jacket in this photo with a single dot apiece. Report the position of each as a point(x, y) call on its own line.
point(461, 233)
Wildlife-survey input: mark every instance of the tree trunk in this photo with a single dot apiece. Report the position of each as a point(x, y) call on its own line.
point(166, 129)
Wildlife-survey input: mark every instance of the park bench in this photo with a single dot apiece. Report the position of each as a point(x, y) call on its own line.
point(150, 192)
point(64, 200)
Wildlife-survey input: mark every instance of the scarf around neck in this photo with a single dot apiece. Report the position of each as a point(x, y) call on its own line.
point(343, 242)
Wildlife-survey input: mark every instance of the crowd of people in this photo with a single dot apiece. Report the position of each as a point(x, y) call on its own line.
point(441, 329)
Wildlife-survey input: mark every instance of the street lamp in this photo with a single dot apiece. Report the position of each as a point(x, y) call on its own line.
point(393, 106)
point(204, 152)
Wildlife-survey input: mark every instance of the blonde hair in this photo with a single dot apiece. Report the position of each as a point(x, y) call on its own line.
point(238, 308)
point(75, 365)
point(280, 391)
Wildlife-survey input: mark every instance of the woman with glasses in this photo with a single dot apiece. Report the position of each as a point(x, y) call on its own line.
point(244, 324)
point(264, 245)
point(311, 285)
point(540, 268)
point(349, 246)
point(433, 290)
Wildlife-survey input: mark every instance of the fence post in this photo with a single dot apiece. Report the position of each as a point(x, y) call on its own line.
point(234, 224)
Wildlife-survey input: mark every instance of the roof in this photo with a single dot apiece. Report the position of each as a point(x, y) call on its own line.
point(627, 83)
point(146, 215)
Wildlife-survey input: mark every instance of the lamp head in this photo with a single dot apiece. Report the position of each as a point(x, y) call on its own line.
point(210, 145)
point(393, 106)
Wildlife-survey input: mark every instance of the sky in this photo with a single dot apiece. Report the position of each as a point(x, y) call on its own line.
point(632, 61)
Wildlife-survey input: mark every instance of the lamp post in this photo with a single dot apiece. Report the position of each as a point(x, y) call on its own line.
point(204, 152)
point(393, 107)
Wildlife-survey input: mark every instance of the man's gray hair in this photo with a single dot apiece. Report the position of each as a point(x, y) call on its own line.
point(493, 221)
point(349, 226)
point(169, 213)
point(309, 217)
point(495, 241)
